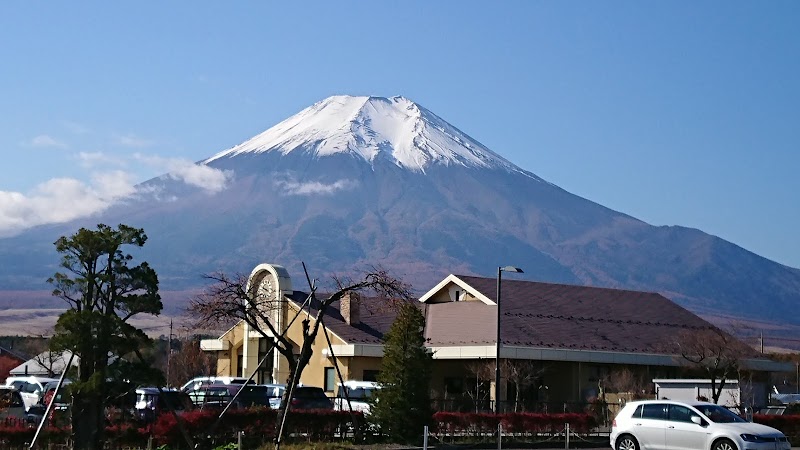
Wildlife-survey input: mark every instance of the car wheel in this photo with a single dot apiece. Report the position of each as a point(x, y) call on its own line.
point(724, 444)
point(628, 442)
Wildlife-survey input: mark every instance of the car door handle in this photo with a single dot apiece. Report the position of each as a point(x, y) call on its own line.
point(671, 426)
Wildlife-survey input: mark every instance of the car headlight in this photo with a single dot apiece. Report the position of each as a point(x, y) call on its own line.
point(752, 437)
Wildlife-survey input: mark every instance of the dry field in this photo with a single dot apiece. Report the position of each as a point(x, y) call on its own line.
point(34, 313)
point(40, 322)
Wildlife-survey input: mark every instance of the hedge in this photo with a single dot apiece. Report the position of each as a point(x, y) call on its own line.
point(257, 424)
point(789, 425)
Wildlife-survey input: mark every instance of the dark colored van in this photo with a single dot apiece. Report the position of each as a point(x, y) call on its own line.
point(150, 402)
point(251, 395)
point(309, 397)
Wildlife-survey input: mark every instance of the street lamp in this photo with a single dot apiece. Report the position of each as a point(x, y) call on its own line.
point(500, 271)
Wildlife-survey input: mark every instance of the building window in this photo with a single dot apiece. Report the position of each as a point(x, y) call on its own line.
point(330, 379)
point(239, 362)
point(371, 375)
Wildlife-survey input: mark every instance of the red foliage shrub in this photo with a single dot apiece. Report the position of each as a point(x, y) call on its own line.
point(16, 432)
point(788, 424)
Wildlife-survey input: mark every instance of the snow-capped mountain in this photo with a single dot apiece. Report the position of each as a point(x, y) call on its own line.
point(373, 127)
point(352, 182)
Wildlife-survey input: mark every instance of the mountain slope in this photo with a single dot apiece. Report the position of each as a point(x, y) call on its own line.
point(352, 182)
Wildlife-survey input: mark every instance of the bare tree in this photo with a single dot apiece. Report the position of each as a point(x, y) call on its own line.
point(482, 372)
point(52, 362)
point(190, 361)
point(230, 299)
point(625, 381)
point(523, 373)
point(713, 352)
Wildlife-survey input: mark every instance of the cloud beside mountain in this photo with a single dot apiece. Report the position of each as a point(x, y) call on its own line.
point(63, 199)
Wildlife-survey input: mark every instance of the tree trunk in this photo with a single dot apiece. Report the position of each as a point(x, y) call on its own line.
point(87, 422)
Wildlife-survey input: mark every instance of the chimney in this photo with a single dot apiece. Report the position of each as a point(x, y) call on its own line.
point(350, 307)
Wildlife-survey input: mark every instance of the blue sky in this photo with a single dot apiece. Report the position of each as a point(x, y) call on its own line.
point(677, 113)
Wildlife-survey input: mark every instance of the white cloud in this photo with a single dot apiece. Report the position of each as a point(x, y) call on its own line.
point(199, 175)
point(208, 178)
point(60, 200)
point(114, 184)
point(93, 159)
point(293, 187)
point(63, 199)
point(44, 140)
point(132, 141)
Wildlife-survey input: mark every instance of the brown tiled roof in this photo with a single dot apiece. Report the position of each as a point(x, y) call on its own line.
point(562, 317)
point(541, 315)
point(377, 315)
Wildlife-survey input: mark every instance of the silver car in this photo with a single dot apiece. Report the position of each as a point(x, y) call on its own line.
point(672, 425)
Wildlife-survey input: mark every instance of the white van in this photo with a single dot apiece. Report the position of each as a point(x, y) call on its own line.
point(31, 388)
point(198, 382)
point(359, 393)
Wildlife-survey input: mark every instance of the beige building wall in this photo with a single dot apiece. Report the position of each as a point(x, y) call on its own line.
point(352, 368)
point(227, 362)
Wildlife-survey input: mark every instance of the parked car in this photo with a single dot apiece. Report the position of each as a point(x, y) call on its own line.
point(359, 393)
point(219, 395)
point(11, 404)
point(261, 395)
point(61, 401)
point(197, 382)
point(308, 397)
point(31, 388)
point(150, 402)
point(660, 424)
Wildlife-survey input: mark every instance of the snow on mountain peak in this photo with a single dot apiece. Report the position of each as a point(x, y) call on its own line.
point(373, 127)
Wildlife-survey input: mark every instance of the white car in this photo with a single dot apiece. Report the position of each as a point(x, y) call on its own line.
point(31, 388)
point(359, 393)
point(672, 425)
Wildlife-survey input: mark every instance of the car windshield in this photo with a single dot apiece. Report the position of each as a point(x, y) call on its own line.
point(309, 392)
point(259, 395)
point(719, 414)
point(355, 393)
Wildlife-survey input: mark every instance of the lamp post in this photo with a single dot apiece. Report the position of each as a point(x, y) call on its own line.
point(500, 271)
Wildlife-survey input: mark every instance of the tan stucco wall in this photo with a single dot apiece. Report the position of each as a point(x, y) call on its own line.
point(226, 359)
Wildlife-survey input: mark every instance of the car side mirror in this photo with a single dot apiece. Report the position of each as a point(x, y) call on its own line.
point(699, 420)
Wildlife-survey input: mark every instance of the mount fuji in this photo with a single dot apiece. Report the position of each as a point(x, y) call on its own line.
point(352, 182)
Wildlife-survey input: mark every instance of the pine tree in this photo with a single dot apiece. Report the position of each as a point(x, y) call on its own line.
point(104, 291)
point(402, 407)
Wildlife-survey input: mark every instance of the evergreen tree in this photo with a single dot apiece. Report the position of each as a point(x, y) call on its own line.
point(402, 407)
point(104, 291)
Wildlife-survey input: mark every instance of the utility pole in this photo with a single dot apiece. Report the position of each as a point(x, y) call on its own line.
point(169, 351)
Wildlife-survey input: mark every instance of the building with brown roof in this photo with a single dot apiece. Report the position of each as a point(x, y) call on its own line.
point(558, 342)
